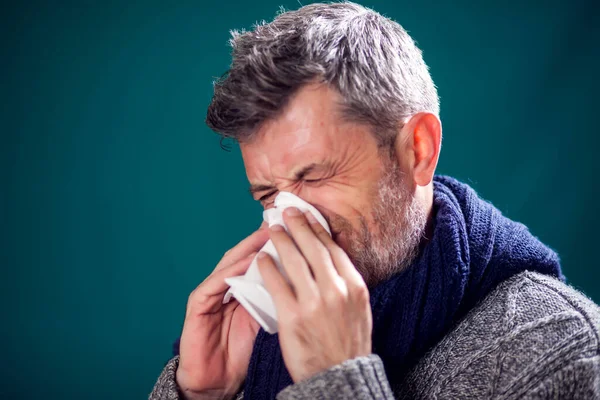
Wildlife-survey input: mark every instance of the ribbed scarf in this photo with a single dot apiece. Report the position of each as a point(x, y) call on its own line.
point(473, 248)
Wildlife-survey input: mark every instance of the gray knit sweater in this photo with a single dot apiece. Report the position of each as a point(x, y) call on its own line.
point(532, 337)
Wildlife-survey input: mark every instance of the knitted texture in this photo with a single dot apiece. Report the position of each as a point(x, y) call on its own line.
point(362, 378)
point(166, 385)
point(533, 337)
point(473, 249)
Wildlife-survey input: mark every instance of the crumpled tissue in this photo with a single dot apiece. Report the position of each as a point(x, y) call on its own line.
point(249, 288)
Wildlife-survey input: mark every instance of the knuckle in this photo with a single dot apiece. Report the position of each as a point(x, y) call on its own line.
point(360, 293)
point(333, 298)
point(319, 229)
point(336, 294)
point(192, 296)
point(322, 234)
point(195, 298)
point(310, 309)
point(303, 223)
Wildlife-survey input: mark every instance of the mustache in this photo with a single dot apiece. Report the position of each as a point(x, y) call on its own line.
point(337, 223)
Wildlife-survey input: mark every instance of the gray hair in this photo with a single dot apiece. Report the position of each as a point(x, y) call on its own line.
point(369, 59)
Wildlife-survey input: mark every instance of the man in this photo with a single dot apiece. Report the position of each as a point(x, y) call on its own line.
point(423, 291)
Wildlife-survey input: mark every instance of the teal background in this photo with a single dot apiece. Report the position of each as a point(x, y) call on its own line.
point(116, 200)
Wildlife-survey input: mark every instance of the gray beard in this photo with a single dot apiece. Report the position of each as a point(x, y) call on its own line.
point(400, 222)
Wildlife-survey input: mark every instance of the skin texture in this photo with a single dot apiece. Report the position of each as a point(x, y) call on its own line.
point(325, 316)
point(217, 339)
point(376, 201)
point(311, 132)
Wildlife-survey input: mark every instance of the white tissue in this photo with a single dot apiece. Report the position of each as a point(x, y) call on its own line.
point(249, 288)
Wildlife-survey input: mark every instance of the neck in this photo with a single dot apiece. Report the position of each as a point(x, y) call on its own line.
point(424, 195)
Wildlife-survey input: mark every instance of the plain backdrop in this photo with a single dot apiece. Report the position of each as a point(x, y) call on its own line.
point(116, 200)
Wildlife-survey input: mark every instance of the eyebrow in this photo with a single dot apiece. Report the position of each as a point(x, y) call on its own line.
point(254, 188)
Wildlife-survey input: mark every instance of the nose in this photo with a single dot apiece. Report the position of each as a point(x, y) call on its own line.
point(290, 188)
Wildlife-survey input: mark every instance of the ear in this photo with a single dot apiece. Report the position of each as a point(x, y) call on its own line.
point(422, 141)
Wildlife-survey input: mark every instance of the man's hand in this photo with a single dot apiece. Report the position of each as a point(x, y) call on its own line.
point(217, 338)
point(325, 317)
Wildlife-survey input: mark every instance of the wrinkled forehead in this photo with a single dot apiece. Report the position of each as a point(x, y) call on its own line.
point(309, 130)
point(283, 146)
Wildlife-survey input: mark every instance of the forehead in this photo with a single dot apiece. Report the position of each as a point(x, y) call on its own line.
point(310, 130)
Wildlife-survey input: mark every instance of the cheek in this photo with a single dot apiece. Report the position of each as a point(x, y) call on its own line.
point(328, 198)
point(343, 209)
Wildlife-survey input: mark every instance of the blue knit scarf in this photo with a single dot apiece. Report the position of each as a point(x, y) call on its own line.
point(472, 250)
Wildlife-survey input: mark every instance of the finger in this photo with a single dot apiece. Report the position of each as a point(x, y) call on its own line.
point(275, 283)
point(341, 262)
point(251, 244)
point(293, 263)
point(215, 283)
point(313, 249)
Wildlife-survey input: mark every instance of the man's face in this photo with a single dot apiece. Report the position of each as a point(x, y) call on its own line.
point(336, 166)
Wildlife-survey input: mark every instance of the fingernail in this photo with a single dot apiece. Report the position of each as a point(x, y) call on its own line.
point(311, 218)
point(277, 228)
point(292, 211)
point(261, 255)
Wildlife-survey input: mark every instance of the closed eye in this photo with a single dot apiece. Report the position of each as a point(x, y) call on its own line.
point(266, 196)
